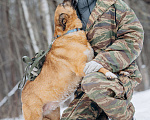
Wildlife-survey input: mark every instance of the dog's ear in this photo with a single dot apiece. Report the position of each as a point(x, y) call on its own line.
point(73, 3)
point(63, 18)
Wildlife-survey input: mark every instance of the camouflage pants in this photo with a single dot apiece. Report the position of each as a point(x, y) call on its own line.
point(101, 98)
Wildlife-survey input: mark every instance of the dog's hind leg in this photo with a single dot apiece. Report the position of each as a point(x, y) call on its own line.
point(32, 108)
point(32, 112)
point(26, 112)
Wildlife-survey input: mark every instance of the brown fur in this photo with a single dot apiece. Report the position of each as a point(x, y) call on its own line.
point(62, 69)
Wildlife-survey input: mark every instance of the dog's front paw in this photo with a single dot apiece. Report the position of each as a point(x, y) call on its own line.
point(110, 75)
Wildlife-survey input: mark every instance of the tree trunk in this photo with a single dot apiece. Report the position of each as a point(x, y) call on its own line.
point(29, 26)
point(46, 20)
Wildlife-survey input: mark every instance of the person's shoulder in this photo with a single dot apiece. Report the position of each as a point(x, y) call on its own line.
point(121, 5)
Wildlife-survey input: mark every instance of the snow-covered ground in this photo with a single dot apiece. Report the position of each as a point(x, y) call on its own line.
point(19, 118)
point(141, 101)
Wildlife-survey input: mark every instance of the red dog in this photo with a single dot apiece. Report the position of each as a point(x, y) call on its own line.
point(62, 69)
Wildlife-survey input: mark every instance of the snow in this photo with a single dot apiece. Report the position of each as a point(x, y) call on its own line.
point(141, 101)
point(19, 118)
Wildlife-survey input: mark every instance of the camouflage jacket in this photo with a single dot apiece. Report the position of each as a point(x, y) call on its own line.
point(116, 35)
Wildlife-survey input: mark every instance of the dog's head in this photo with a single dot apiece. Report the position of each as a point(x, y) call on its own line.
point(66, 17)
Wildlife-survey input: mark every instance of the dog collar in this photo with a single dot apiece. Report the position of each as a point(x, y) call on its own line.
point(70, 31)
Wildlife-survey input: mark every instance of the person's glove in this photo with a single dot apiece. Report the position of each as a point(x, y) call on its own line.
point(92, 66)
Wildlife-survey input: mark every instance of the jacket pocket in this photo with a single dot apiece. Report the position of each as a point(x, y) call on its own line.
point(125, 80)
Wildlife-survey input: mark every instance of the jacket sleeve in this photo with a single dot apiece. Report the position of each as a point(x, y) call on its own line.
point(127, 46)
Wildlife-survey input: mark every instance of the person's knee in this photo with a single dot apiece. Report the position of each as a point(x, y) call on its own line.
point(96, 84)
point(92, 80)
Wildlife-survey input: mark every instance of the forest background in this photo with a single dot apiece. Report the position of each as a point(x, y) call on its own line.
point(26, 26)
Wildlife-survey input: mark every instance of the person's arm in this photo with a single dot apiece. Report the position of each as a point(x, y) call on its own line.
point(127, 45)
point(121, 55)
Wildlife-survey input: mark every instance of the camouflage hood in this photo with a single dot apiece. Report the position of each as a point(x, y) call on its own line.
point(84, 9)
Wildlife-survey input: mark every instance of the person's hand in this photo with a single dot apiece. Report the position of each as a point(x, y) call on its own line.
point(92, 66)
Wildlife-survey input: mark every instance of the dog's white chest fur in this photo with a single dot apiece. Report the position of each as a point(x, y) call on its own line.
point(89, 53)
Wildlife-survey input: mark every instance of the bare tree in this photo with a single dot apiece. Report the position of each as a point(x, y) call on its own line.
point(27, 26)
point(46, 20)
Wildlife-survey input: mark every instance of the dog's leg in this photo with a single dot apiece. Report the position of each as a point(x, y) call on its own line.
point(32, 106)
point(53, 114)
point(107, 73)
point(32, 112)
point(64, 105)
